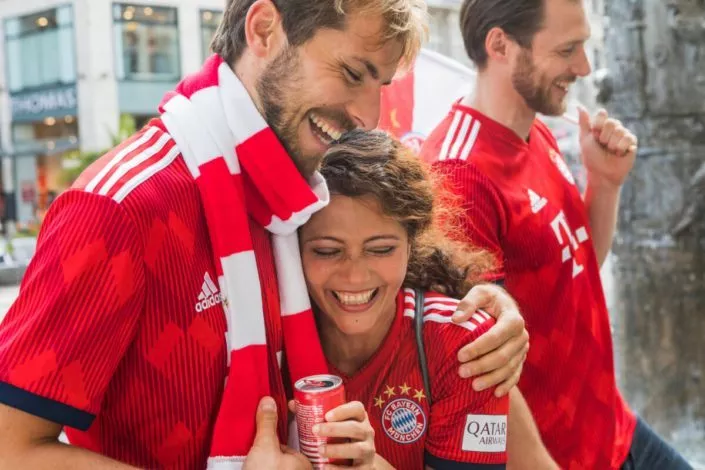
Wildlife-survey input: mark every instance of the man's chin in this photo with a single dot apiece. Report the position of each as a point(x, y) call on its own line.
point(554, 111)
point(307, 166)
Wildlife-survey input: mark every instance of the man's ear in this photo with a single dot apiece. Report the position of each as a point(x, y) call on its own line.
point(497, 45)
point(263, 29)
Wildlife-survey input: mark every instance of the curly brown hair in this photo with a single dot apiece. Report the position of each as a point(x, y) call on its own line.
point(371, 163)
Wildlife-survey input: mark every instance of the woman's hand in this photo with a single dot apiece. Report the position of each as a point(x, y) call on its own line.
point(349, 425)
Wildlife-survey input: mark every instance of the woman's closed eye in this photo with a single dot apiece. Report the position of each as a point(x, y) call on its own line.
point(382, 250)
point(326, 252)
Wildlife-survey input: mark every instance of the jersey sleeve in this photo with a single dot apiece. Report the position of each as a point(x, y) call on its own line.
point(483, 215)
point(76, 313)
point(465, 426)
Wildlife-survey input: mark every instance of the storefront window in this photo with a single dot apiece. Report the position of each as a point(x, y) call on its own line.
point(210, 19)
point(146, 43)
point(40, 147)
point(40, 49)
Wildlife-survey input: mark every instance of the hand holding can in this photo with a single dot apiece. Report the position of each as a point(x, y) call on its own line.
point(332, 433)
point(315, 396)
point(350, 435)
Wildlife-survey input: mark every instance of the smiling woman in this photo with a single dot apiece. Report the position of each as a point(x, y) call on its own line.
point(367, 257)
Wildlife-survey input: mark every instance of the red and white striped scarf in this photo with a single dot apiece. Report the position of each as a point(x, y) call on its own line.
point(242, 169)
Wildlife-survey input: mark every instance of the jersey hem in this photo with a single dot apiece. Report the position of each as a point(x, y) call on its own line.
point(438, 463)
point(46, 408)
point(620, 459)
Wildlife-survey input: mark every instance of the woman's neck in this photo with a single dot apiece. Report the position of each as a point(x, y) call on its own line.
point(349, 353)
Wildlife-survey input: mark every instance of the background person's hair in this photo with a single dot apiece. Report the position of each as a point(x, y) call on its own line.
point(373, 164)
point(404, 20)
point(519, 19)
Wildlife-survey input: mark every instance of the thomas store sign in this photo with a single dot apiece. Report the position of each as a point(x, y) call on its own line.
point(37, 105)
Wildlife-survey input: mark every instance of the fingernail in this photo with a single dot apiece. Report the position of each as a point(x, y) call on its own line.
point(267, 404)
point(465, 373)
point(478, 385)
point(457, 314)
point(465, 356)
point(328, 416)
point(316, 428)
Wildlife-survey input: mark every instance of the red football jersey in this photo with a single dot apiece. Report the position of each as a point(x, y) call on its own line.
point(118, 332)
point(460, 425)
point(521, 202)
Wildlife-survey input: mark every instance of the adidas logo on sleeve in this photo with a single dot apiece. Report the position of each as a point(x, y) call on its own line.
point(209, 296)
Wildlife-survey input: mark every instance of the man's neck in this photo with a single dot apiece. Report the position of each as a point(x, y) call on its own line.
point(349, 353)
point(502, 104)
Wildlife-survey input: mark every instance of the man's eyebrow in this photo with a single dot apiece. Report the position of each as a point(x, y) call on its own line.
point(371, 68)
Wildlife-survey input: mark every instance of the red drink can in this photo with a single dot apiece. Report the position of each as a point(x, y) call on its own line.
point(315, 396)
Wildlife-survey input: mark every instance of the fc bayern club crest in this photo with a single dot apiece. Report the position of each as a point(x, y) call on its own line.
point(403, 420)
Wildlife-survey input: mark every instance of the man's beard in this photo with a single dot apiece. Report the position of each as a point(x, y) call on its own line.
point(528, 84)
point(277, 91)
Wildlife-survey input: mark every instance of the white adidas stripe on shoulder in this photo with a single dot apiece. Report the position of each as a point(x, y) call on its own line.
point(458, 143)
point(460, 138)
point(449, 135)
point(470, 143)
point(128, 159)
point(147, 173)
point(439, 306)
point(440, 299)
point(142, 157)
point(118, 157)
point(443, 305)
point(438, 318)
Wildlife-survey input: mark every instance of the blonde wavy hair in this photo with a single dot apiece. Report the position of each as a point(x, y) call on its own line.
point(404, 20)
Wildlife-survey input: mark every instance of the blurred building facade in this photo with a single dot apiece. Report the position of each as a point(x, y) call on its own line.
point(69, 69)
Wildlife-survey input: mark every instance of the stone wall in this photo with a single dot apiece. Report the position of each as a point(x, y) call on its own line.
point(655, 52)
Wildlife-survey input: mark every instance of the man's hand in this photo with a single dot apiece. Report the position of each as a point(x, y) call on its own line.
point(266, 452)
point(608, 149)
point(497, 357)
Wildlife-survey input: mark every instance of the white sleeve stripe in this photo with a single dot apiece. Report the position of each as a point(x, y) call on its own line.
point(441, 307)
point(138, 160)
point(449, 136)
point(467, 148)
point(445, 300)
point(436, 318)
point(145, 174)
point(462, 135)
point(119, 156)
